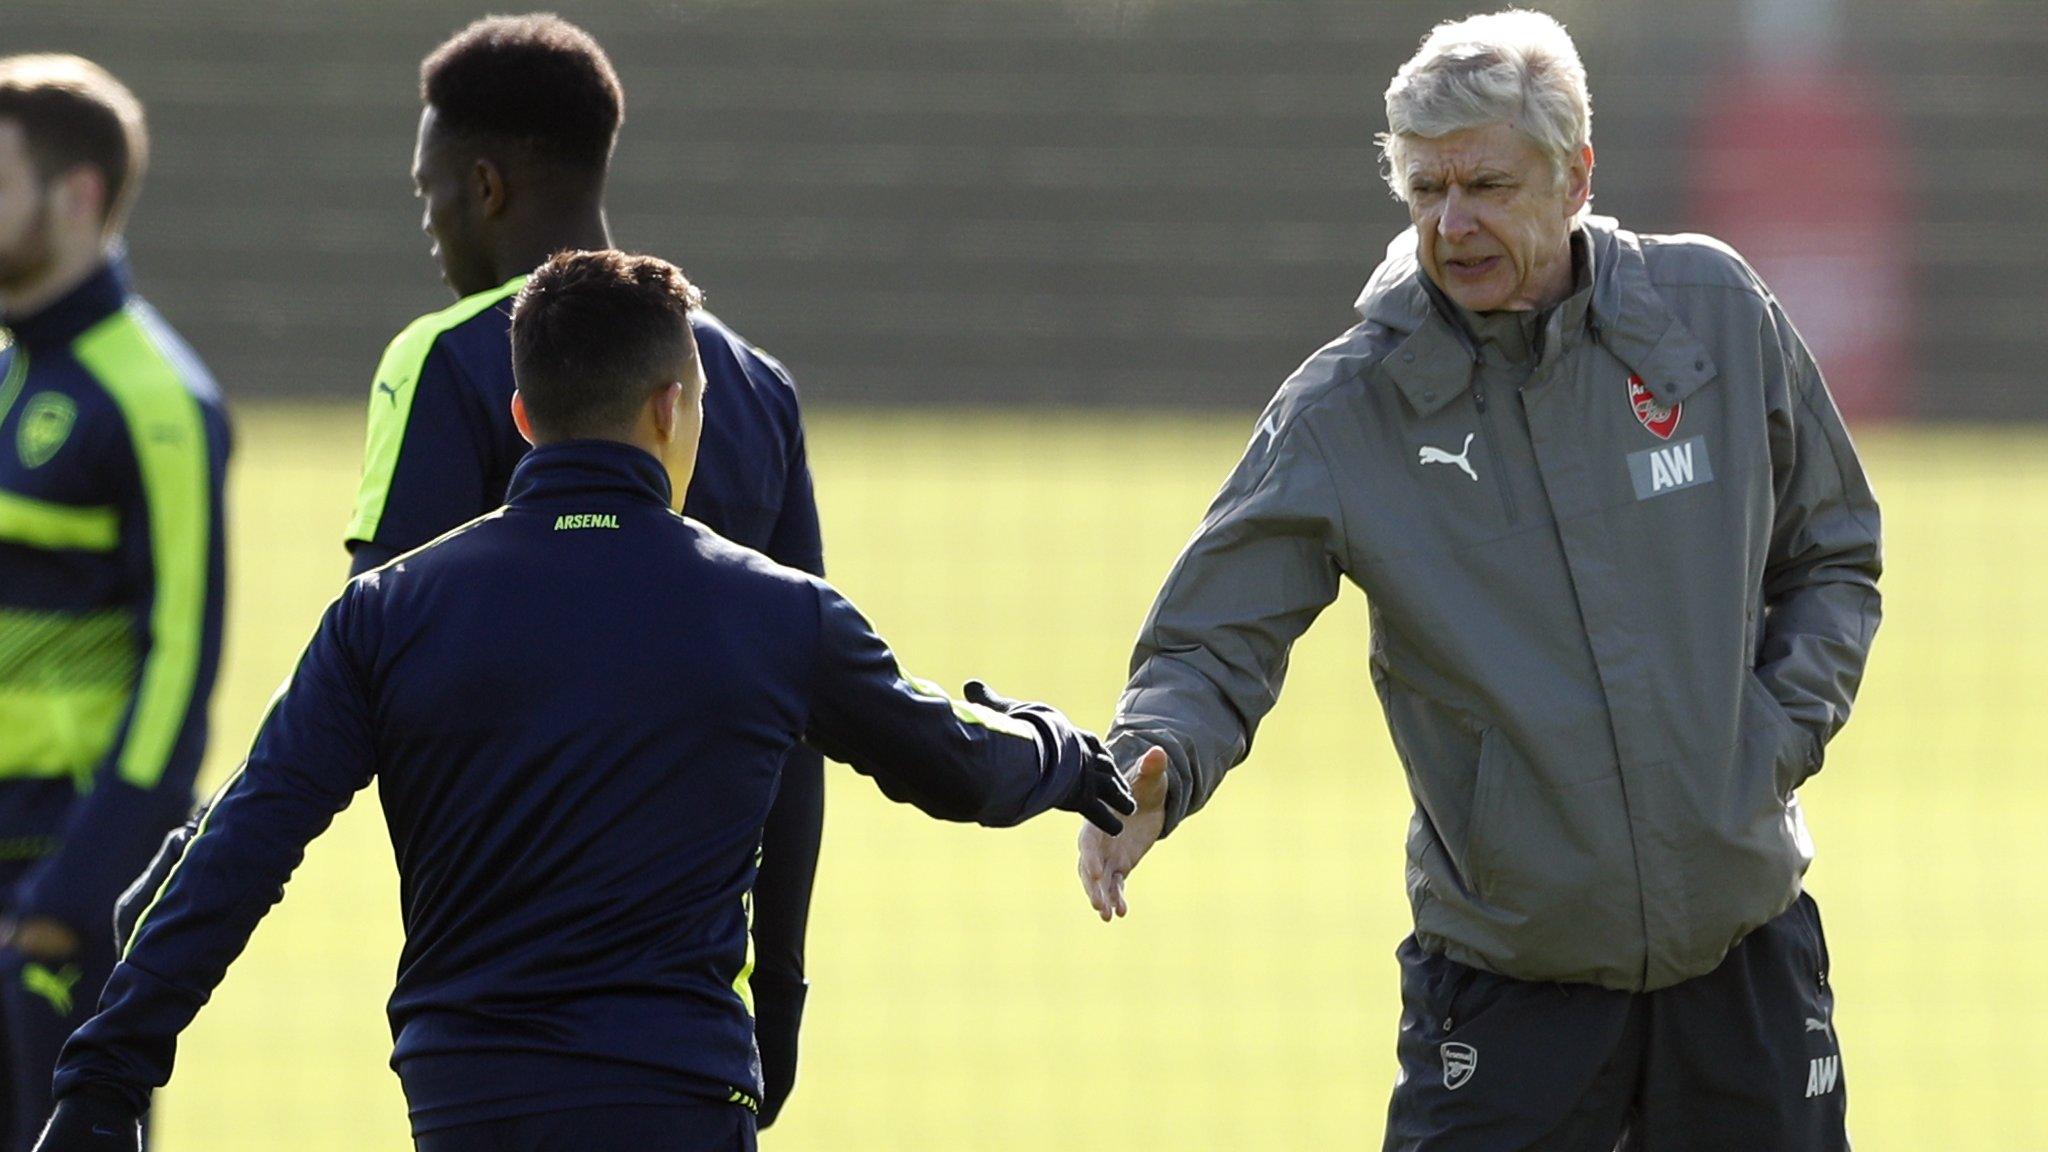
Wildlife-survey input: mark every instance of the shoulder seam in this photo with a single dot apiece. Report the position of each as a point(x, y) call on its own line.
point(458, 530)
point(1315, 397)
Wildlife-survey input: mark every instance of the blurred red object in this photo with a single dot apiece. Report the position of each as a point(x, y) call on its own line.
point(1799, 167)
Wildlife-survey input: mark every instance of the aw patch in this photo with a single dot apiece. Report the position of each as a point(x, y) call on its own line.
point(46, 423)
point(1670, 469)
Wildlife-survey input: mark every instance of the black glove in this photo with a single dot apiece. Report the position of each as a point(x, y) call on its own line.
point(778, 1018)
point(92, 1119)
point(1100, 794)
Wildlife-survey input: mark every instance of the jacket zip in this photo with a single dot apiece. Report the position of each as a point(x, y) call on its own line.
point(1500, 476)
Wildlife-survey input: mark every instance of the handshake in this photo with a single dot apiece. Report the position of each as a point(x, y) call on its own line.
point(1109, 847)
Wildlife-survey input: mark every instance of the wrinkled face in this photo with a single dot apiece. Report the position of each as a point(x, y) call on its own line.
point(27, 239)
point(442, 179)
point(1492, 217)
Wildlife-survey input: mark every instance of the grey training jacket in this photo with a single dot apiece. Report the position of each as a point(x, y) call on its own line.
point(1616, 614)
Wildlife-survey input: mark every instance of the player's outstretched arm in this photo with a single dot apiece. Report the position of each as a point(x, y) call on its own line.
point(1107, 860)
point(1212, 654)
point(989, 761)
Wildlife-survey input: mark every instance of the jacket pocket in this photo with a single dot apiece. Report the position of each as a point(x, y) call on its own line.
point(1550, 861)
point(1481, 838)
point(1533, 838)
point(1766, 723)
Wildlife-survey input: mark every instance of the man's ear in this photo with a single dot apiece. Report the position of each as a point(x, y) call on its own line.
point(487, 180)
point(1578, 180)
point(79, 197)
point(519, 418)
point(668, 411)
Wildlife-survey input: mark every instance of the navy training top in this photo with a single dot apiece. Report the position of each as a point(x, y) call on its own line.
point(441, 444)
point(577, 709)
point(113, 458)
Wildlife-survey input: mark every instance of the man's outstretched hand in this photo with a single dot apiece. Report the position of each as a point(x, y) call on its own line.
point(1099, 794)
point(1107, 860)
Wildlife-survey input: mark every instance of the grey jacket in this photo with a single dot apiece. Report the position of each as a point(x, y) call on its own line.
point(1616, 614)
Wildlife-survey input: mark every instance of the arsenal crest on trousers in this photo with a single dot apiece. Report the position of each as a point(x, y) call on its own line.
point(1460, 1062)
point(1661, 421)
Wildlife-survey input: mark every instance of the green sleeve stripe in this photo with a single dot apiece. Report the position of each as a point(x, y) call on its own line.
point(975, 714)
point(58, 527)
point(169, 434)
point(158, 896)
point(391, 401)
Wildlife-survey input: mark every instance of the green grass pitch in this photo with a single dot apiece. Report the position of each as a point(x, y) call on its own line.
point(964, 996)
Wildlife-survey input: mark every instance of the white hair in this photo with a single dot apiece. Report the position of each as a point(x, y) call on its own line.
point(1513, 67)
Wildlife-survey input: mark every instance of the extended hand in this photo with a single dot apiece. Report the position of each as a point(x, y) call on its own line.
point(1107, 860)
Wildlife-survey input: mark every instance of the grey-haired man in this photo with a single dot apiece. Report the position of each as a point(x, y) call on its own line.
point(1622, 565)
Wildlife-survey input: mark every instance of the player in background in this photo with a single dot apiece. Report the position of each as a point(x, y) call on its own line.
point(113, 450)
point(577, 709)
point(521, 115)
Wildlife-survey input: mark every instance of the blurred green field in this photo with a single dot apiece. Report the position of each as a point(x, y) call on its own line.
point(965, 997)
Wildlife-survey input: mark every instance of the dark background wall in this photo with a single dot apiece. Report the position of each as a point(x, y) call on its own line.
point(982, 201)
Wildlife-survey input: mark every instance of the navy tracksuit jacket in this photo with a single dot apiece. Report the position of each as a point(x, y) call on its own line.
point(576, 709)
point(113, 456)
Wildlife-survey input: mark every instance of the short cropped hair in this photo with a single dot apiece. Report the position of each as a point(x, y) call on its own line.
point(1512, 67)
point(536, 80)
point(73, 112)
point(594, 334)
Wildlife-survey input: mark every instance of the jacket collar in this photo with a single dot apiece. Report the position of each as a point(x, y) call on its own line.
point(1632, 321)
point(589, 469)
point(64, 319)
point(1433, 358)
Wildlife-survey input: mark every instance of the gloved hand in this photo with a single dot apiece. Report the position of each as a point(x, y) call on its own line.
point(1099, 793)
point(778, 1018)
point(92, 1119)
